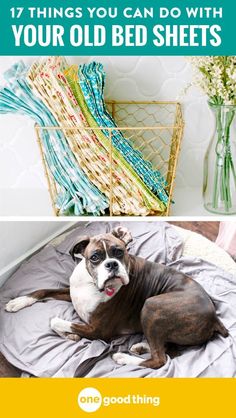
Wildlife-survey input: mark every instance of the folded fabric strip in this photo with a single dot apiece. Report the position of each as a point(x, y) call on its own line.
point(77, 194)
point(91, 78)
point(130, 195)
point(72, 77)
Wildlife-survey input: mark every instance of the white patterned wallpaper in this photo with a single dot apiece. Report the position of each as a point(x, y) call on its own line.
point(135, 78)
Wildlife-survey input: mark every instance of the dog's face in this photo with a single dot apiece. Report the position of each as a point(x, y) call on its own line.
point(107, 259)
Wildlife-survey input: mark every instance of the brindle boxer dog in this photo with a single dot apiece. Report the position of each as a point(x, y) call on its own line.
point(116, 293)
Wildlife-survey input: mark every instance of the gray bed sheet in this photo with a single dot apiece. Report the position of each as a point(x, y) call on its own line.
point(27, 341)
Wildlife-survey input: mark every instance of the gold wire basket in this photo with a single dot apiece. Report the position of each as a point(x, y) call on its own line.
point(154, 128)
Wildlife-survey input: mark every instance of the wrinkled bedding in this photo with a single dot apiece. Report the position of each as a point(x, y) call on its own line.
point(27, 341)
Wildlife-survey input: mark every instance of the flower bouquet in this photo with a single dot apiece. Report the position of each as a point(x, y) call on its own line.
point(217, 78)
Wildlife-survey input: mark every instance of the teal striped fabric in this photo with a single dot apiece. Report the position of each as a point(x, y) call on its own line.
point(92, 81)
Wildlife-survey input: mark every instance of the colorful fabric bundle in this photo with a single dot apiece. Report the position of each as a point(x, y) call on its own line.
point(77, 194)
point(79, 154)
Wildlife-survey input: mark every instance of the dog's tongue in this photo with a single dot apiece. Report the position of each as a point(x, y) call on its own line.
point(112, 286)
point(110, 291)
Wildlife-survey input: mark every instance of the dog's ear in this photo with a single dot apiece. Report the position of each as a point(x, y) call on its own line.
point(123, 234)
point(79, 248)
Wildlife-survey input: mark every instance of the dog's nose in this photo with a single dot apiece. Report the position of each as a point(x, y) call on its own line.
point(111, 265)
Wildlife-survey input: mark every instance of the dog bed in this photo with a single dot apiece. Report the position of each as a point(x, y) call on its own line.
point(27, 341)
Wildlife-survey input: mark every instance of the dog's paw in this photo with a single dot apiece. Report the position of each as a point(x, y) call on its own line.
point(122, 359)
point(21, 302)
point(73, 337)
point(60, 326)
point(140, 348)
point(63, 329)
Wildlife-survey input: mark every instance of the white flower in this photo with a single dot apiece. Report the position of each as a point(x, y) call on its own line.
point(216, 76)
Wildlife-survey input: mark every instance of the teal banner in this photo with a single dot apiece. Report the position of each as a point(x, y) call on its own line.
point(108, 27)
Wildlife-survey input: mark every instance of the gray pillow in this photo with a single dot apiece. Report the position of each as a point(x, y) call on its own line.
point(26, 339)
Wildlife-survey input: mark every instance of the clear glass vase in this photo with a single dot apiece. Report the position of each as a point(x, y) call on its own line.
point(219, 182)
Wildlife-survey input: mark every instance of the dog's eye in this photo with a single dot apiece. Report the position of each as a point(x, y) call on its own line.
point(94, 257)
point(118, 253)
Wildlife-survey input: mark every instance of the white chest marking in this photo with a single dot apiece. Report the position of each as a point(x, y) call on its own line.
point(84, 294)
